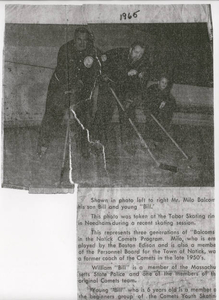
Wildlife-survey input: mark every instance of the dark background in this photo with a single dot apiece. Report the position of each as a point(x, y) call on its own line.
point(182, 49)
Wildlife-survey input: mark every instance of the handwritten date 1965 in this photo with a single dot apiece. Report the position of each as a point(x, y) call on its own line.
point(125, 16)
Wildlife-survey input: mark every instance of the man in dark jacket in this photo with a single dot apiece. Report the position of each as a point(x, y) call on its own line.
point(72, 83)
point(128, 70)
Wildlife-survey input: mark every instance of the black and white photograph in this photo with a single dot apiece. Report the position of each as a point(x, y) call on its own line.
point(122, 104)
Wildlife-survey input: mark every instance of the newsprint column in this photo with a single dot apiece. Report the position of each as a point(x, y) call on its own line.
point(146, 243)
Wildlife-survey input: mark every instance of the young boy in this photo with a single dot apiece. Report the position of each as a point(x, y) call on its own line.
point(161, 104)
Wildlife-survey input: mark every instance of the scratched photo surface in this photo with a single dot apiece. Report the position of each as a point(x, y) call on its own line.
point(108, 105)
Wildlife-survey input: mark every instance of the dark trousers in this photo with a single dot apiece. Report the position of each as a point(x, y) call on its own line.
point(105, 108)
point(56, 106)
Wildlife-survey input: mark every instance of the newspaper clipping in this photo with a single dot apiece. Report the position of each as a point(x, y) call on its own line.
point(117, 100)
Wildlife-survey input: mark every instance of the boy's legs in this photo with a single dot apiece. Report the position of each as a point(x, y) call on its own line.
point(165, 117)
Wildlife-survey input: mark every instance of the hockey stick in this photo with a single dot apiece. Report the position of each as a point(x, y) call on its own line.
point(169, 136)
point(159, 165)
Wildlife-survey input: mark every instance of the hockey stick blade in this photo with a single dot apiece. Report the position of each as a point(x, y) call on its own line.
point(168, 167)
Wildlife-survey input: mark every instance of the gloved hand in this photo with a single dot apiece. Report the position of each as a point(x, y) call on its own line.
point(162, 104)
point(103, 57)
point(106, 78)
point(127, 104)
point(79, 85)
point(132, 72)
point(141, 75)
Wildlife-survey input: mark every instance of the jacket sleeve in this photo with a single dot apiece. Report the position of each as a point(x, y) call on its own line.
point(171, 102)
point(151, 101)
point(145, 68)
point(61, 71)
point(114, 67)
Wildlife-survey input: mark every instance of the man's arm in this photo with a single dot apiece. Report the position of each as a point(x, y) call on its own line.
point(114, 67)
point(144, 69)
point(150, 101)
point(61, 71)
